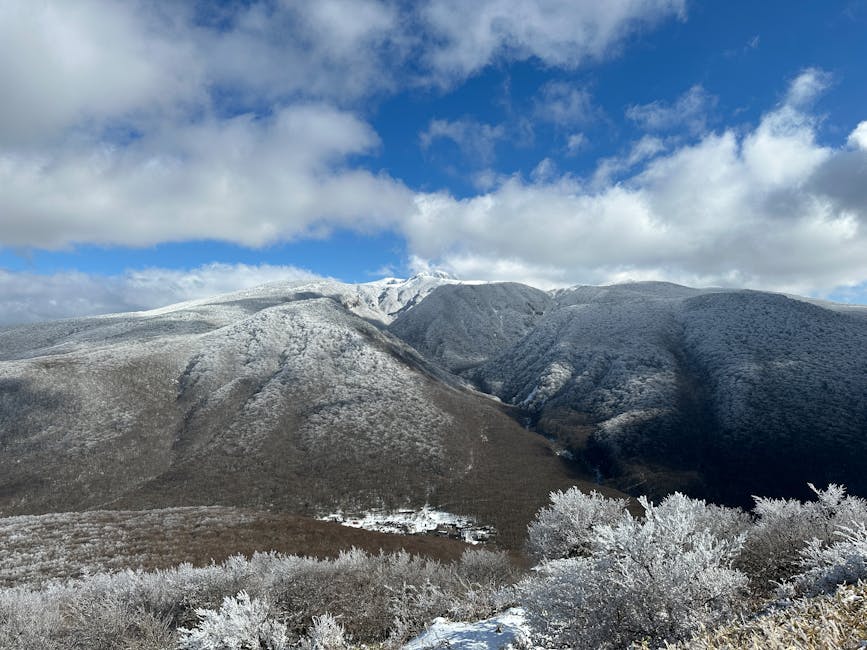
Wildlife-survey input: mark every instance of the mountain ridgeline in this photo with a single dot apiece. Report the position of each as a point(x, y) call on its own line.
point(309, 397)
point(289, 397)
point(656, 387)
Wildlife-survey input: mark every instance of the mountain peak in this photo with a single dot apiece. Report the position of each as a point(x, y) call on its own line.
point(437, 274)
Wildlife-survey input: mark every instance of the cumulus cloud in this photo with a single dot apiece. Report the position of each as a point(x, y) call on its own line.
point(807, 86)
point(690, 110)
point(755, 208)
point(93, 63)
point(469, 36)
point(30, 297)
point(641, 150)
point(858, 137)
point(69, 64)
point(246, 179)
point(137, 122)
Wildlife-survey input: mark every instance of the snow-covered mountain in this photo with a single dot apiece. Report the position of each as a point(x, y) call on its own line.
point(308, 397)
point(461, 327)
point(724, 393)
point(288, 396)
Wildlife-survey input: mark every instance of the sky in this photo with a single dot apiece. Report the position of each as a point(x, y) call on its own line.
point(155, 151)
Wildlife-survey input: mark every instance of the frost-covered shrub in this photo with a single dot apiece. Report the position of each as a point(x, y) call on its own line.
point(487, 568)
point(835, 621)
point(720, 521)
point(375, 597)
point(111, 623)
point(325, 634)
point(773, 545)
point(241, 623)
point(827, 567)
point(565, 528)
point(28, 620)
point(658, 578)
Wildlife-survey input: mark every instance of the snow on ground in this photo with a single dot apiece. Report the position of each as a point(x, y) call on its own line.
point(416, 522)
point(501, 632)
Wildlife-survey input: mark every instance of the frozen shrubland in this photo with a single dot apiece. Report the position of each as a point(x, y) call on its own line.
point(785, 529)
point(267, 601)
point(659, 577)
point(611, 574)
point(609, 579)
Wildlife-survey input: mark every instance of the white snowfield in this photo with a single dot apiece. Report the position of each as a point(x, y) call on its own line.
point(505, 631)
point(416, 522)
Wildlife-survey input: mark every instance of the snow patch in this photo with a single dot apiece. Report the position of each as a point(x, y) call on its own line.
point(506, 630)
point(426, 521)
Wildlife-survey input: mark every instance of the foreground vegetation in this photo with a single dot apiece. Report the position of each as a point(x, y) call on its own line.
point(377, 598)
point(684, 574)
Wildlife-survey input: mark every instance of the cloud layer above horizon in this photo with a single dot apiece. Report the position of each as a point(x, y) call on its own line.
point(140, 123)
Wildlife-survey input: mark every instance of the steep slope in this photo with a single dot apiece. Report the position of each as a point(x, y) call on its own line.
point(274, 398)
point(462, 326)
point(661, 387)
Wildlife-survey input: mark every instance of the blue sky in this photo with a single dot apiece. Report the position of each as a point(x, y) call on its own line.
point(152, 152)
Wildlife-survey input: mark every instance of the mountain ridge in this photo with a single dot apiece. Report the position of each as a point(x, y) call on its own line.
point(305, 396)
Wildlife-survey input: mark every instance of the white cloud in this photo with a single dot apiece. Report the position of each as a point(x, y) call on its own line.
point(858, 137)
point(246, 180)
point(575, 142)
point(807, 86)
point(690, 110)
point(475, 139)
point(339, 50)
point(92, 63)
point(64, 64)
point(136, 122)
point(769, 208)
point(30, 297)
point(469, 36)
point(546, 170)
point(564, 104)
point(641, 150)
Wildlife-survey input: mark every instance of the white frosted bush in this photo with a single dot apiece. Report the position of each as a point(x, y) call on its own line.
point(325, 634)
point(654, 579)
point(240, 624)
point(827, 567)
point(783, 528)
point(565, 528)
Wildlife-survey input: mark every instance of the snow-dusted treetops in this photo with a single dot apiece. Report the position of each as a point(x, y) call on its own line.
point(308, 397)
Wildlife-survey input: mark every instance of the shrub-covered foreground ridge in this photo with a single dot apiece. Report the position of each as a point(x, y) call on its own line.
point(682, 574)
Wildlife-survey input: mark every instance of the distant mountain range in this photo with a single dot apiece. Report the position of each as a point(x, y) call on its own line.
point(305, 397)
